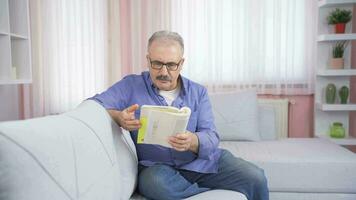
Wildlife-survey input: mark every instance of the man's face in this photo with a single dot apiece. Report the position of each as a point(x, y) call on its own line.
point(170, 54)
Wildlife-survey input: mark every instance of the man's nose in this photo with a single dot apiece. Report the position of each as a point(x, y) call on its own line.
point(164, 69)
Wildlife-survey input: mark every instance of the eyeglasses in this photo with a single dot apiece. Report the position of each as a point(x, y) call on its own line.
point(171, 66)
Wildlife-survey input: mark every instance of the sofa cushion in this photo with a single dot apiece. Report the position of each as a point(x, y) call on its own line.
point(236, 115)
point(68, 156)
point(56, 151)
point(301, 164)
point(209, 195)
point(29, 173)
point(116, 141)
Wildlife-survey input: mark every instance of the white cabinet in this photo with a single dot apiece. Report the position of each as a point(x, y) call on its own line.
point(326, 114)
point(15, 49)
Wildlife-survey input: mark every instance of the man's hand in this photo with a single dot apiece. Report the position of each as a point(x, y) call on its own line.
point(126, 118)
point(184, 142)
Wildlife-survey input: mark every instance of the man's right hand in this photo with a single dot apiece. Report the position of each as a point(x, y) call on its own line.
point(126, 118)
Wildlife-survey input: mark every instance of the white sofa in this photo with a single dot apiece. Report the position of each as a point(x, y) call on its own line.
point(83, 154)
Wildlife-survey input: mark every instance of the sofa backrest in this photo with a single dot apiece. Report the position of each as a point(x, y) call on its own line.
point(69, 156)
point(242, 116)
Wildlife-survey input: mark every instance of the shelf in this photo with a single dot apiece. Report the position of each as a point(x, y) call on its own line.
point(15, 44)
point(20, 54)
point(336, 37)
point(337, 72)
point(5, 56)
point(17, 36)
point(16, 81)
point(332, 3)
point(326, 114)
point(4, 16)
point(18, 10)
point(340, 141)
point(336, 107)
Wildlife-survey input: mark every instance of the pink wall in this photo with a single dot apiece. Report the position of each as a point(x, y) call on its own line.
point(353, 79)
point(10, 108)
point(301, 114)
point(125, 37)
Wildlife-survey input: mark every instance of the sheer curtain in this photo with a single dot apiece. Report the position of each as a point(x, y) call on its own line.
point(80, 47)
point(69, 52)
point(268, 45)
point(138, 20)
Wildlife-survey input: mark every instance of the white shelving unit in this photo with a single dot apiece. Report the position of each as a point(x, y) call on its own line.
point(334, 3)
point(336, 72)
point(336, 107)
point(15, 49)
point(341, 141)
point(336, 37)
point(326, 114)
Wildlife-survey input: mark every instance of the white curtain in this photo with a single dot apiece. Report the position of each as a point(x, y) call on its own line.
point(69, 53)
point(139, 20)
point(230, 44)
point(264, 44)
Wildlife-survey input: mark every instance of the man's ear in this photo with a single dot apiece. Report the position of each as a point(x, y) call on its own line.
point(148, 61)
point(182, 62)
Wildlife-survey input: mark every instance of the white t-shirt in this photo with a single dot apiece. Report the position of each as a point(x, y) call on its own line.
point(169, 96)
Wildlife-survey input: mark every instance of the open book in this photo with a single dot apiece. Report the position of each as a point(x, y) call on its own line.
point(160, 122)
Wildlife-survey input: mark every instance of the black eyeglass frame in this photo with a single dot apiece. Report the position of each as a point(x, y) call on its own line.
point(171, 66)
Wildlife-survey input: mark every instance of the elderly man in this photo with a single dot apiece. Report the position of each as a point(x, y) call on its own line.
point(194, 164)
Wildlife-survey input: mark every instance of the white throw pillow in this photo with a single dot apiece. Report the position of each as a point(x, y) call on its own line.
point(236, 115)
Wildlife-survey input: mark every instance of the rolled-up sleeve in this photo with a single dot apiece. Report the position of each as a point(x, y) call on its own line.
point(206, 130)
point(115, 97)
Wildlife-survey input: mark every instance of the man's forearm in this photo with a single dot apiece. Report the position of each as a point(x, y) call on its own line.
point(208, 143)
point(194, 147)
point(114, 115)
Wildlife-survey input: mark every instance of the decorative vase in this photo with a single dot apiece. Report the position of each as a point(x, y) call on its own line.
point(337, 130)
point(330, 93)
point(340, 28)
point(337, 63)
point(344, 94)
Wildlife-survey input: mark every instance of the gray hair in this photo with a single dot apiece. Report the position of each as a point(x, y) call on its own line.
point(166, 36)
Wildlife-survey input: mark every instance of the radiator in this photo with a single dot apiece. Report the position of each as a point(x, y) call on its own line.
point(280, 107)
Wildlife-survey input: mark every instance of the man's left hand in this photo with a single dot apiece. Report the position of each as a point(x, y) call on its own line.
point(184, 142)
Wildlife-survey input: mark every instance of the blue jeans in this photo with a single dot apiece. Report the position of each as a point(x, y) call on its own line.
point(166, 182)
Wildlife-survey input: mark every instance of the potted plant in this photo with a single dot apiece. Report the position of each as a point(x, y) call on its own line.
point(337, 61)
point(339, 18)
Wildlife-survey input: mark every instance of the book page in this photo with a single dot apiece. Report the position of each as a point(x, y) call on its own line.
point(160, 122)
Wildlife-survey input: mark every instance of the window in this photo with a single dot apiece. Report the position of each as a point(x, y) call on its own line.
point(268, 45)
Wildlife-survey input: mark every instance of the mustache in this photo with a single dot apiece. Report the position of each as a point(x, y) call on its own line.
point(163, 78)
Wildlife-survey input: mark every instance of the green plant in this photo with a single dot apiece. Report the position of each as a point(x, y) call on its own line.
point(339, 16)
point(338, 49)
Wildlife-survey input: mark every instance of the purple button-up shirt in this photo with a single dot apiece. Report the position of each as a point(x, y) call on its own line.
point(139, 89)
